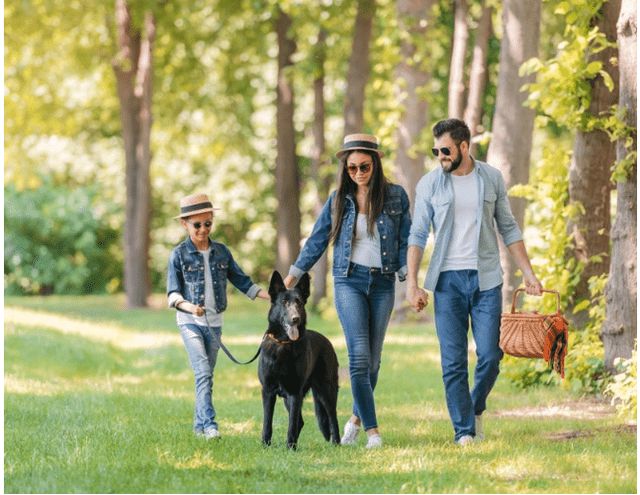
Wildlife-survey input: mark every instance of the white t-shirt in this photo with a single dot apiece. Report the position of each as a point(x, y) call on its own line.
point(366, 249)
point(462, 252)
point(215, 319)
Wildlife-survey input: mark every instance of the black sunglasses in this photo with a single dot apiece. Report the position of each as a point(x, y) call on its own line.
point(197, 225)
point(445, 151)
point(364, 168)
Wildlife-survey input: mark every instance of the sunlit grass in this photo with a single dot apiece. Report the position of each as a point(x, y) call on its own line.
point(99, 399)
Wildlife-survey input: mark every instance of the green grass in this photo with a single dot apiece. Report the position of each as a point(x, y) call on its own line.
point(101, 401)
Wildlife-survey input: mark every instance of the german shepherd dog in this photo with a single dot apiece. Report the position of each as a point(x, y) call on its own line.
point(293, 360)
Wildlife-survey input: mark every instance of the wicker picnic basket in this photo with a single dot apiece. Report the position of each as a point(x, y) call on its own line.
point(535, 335)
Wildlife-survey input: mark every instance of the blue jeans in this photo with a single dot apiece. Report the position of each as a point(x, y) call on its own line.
point(202, 348)
point(456, 298)
point(364, 301)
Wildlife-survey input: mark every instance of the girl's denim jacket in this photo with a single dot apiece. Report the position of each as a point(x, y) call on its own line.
point(185, 274)
point(394, 224)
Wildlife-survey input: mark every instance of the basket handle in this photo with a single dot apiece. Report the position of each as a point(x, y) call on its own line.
point(515, 295)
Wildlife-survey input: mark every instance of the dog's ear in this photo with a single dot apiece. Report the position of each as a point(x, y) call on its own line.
point(305, 286)
point(276, 286)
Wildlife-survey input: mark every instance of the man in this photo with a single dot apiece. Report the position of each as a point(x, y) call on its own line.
point(461, 200)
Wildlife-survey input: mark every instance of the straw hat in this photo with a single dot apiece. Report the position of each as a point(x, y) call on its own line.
point(354, 142)
point(194, 204)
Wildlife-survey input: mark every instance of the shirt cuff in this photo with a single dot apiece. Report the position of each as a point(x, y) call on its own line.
point(175, 298)
point(253, 291)
point(294, 271)
point(402, 273)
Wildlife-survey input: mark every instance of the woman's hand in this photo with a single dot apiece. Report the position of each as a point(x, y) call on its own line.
point(263, 294)
point(290, 281)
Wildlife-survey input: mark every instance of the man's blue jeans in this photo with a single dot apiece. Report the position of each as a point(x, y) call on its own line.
point(364, 301)
point(202, 348)
point(456, 298)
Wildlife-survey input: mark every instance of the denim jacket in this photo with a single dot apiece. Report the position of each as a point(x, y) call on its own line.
point(434, 209)
point(185, 274)
point(393, 225)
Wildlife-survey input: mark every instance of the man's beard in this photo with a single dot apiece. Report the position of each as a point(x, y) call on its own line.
point(455, 163)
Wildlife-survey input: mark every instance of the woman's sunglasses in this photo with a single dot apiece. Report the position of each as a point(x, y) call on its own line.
point(445, 151)
point(197, 225)
point(364, 168)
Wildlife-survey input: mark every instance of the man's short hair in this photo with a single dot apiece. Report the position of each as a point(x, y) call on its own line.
point(457, 129)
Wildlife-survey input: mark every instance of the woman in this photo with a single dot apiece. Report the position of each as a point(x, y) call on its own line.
point(196, 283)
point(367, 218)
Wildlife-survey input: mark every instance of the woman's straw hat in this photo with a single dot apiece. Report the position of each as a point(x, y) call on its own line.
point(354, 142)
point(194, 204)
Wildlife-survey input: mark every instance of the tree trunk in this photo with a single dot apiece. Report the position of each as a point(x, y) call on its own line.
point(456, 71)
point(287, 176)
point(478, 76)
point(589, 174)
point(620, 327)
point(318, 164)
point(133, 70)
point(412, 77)
point(512, 127)
point(358, 74)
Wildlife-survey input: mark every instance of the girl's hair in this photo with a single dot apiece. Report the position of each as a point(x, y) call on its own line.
point(375, 196)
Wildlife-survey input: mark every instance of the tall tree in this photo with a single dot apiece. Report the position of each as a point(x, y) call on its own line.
point(512, 126)
point(620, 327)
point(318, 160)
point(412, 77)
point(287, 175)
point(589, 174)
point(133, 67)
point(359, 68)
point(458, 55)
point(478, 75)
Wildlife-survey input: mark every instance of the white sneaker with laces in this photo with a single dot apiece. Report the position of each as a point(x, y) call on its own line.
point(464, 440)
point(374, 441)
point(351, 431)
point(211, 433)
point(479, 429)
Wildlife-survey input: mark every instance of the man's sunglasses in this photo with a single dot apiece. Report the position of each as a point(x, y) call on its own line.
point(197, 225)
point(444, 150)
point(364, 168)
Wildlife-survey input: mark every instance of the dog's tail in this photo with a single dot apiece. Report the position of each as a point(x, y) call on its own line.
point(322, 416)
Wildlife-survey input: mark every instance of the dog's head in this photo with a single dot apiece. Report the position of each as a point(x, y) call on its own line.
point(287, 316)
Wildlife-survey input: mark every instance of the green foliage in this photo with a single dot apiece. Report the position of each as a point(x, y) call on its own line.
point(57, 240)
point(623, 388)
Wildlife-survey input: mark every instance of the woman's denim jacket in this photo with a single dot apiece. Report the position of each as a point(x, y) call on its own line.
point(185, 274)
point(393, 225)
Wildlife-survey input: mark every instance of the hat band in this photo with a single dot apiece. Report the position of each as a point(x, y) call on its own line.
point(360, 144)
point(199, 206)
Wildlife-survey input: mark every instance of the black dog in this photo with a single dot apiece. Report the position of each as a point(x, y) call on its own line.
point(293, 360)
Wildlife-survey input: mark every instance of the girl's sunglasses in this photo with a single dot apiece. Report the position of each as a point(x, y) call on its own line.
point(364, 168)
point(444, 150)
point(197, 225)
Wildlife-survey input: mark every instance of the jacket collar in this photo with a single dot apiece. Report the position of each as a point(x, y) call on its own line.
point(192, 247)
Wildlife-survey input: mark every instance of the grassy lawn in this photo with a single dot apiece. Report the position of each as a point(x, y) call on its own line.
point(99, 399)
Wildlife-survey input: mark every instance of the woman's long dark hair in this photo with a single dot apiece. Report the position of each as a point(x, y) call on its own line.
point(375, 196)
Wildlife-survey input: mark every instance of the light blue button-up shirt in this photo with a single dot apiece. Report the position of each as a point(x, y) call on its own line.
point(434, 208)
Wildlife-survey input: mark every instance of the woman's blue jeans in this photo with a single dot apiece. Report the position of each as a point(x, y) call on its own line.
point(202, 348)
point(456, 299)
point(364, 301)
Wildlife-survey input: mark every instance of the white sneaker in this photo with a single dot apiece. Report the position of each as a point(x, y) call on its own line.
point(464, 440)
point(351, 431)
point(479, 429)
point(211, 433)
point(374, 442)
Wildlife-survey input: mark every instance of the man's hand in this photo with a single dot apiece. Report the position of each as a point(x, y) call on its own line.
point(418, 298)
point(532, 285)
point(263, 294)
point(289, 281)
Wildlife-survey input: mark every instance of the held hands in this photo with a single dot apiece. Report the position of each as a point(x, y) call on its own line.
point(418, 298)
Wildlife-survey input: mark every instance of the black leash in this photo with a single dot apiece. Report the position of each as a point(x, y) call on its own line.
point(224, 348)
